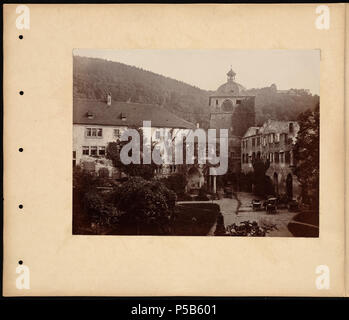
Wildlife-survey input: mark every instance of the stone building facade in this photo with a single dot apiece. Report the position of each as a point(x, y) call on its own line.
point(273, 142)
point(231, 108)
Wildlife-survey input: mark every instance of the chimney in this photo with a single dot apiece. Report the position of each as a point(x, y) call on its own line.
point(109, 99)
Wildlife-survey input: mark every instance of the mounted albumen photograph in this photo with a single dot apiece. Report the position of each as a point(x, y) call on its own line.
point(196, 142)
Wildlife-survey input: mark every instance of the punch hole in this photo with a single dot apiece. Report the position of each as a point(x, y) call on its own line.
point(20, 149)
point(20, 262)
point(20, 37)
point(20, 206)
point(21, 93)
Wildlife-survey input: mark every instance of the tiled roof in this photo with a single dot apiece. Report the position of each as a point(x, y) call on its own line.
point(272, 126)
point(86, 111)
point(251, 131)
point(277, 126)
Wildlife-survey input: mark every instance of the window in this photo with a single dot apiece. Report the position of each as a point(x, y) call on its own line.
point(290, 127)
point(94, 132)
point(101, 151)
point(85, 151)
point(287, 157)
point(282, 157)
point(277, 139)
point(238, 101)
point(253, 142)
point(276, 157)
point(258, 141)
point(74, 154)
point(93, 151)
point(216, 102)
point(117, 133)
point(157, 134)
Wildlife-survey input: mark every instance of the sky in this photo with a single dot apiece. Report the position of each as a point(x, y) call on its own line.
point(207, 69)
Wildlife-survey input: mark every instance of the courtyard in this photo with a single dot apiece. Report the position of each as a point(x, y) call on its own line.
point(236, 210)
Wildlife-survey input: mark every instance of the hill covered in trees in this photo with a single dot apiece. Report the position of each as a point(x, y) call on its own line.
point(93, 78)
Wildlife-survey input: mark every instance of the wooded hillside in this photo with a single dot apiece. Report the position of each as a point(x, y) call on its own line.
point(93, 78)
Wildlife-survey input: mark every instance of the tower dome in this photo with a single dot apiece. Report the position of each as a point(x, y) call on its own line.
point(230, 88)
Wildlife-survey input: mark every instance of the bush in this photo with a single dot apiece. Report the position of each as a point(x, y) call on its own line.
point(176, 182)
point(249, 229)
point(147, 206)
point(184, 197)
point(103, 173)
point(99, 210)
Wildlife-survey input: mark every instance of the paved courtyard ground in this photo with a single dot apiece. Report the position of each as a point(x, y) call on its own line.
point(233, 212)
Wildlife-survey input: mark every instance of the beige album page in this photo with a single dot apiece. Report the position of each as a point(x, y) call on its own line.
point(76, 77)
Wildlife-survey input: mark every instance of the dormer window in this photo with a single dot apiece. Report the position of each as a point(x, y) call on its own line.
point(89, 115)
point(123, 116)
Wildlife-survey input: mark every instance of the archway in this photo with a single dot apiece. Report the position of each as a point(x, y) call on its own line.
point(276, 183)
point(194, 179)
point(227, 105)
point(289, 186)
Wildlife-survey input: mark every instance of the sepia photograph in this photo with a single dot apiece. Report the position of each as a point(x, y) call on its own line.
point(196, 142)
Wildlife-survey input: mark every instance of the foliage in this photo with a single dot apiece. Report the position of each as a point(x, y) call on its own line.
point(262, 183)
point(195, 219)
point(145, 171)
point(89, 205)
point(93, 78)
point(306, 154)
point(176, 182)
point(202, 196)
point(249, 229)
point(147, 205)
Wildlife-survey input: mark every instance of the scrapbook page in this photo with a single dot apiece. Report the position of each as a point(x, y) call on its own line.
point(175, 150)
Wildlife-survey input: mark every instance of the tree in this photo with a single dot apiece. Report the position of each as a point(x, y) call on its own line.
point(306, 155)
point(147, 206)
point(261, 181)
point(145, 171)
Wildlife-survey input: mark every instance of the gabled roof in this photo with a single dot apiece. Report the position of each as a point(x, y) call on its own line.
point(272, 126)
point(278, 126)
point(251, 131)
point(95, 112)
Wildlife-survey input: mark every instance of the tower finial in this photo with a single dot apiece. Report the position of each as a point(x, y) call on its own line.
point(231, 74)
